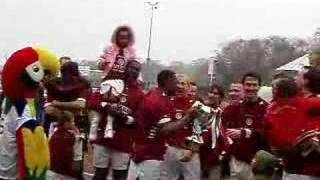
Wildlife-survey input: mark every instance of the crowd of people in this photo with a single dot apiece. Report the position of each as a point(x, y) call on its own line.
point(170, 132)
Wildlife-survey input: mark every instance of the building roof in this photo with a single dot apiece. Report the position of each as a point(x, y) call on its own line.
point(265, 93)
point(296, 65)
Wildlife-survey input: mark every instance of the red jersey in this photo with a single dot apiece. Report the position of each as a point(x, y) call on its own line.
point(155, 107)
point(123, 137)
point(118, 68)
point(62, 152)
point(209, 155)
point(178, 138)
point(66, 92)
point(246, 115)
point(287, 120)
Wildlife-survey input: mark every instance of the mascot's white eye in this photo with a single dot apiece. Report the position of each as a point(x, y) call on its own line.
point(35, 71)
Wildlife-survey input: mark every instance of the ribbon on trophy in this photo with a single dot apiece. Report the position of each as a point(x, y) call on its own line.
point(207, 116)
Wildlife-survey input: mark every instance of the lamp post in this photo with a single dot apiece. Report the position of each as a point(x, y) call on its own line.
point(212, 70)
point(149, 74)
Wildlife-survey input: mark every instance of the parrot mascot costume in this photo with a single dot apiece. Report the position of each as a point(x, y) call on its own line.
point(24, 152)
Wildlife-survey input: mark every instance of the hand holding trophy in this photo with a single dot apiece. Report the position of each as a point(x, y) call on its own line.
point(201, 119)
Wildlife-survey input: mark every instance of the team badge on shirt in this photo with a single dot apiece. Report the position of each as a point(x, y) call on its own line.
point(178, 115)
point(249, 121)
point(123, 99)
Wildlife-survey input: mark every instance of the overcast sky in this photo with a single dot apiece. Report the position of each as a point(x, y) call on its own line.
point(183, 29)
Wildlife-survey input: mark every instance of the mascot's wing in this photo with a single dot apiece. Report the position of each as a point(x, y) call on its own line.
point(32, 145)
point(34, 153)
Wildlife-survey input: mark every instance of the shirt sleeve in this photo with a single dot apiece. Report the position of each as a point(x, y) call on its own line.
point(84, 94)
point(138, 100)
point(313, 111)
point(312, 103)
point(105, 59)
point(225, 118)
point(94, 101)
point(144, 116)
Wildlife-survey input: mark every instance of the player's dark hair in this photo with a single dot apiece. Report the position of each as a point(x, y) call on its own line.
point(252, 75)
point(313, 80)
point(280, 75)
point(287, 88)
point(164, 76)
point(219, 89)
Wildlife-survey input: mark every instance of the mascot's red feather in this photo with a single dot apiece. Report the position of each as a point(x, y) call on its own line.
point(24, 152)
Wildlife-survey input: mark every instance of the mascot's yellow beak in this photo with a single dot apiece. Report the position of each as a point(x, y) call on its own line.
point(48, 60)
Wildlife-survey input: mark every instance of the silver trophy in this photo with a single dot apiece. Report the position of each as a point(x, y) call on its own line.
point(200, 124)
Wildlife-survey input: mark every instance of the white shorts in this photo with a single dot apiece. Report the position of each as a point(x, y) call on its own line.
point(56, 176)
point(175, 168)
point(287, 176)
point(104, 156)
point(239, 170)
point(147, 170)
